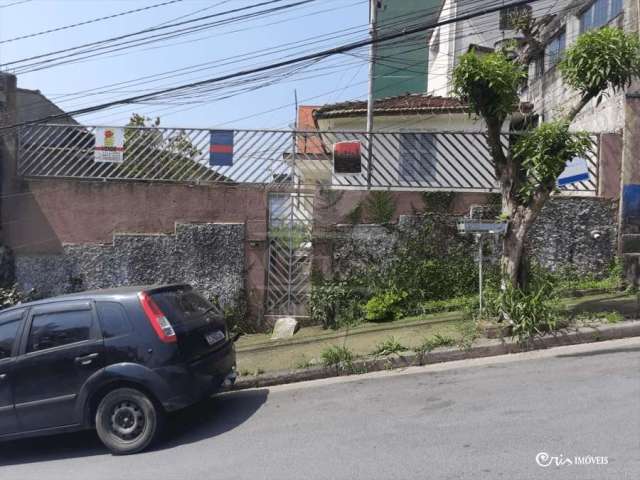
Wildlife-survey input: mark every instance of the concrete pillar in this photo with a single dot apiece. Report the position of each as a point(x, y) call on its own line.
point(8, 169)
point(630, 191)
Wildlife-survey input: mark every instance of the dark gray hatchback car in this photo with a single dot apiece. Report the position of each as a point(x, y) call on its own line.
point(114, 360)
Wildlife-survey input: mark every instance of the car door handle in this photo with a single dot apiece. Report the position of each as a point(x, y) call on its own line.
point(87, 359)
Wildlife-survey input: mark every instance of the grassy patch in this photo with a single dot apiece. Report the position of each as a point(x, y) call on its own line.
point(389, 346)
point(335, 355)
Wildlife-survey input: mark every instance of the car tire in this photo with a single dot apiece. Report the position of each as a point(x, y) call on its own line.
point(128, 421)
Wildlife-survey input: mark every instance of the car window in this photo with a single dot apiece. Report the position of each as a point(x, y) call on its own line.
point(113, 319)
point(184, 306)
point(8, 332)
point(54, 329)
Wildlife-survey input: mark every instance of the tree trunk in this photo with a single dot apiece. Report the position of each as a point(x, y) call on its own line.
point(512, 251)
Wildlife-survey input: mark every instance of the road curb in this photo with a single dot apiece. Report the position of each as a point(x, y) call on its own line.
point(482, 348)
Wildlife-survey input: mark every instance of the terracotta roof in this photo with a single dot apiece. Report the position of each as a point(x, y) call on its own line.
point(401, 105)
point(413, 103)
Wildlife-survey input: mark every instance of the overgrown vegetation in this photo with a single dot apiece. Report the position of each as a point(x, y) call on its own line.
point(336, 304)
point(431, 343)
point(380, 206)
point(439, 202)
point(385, 306)
point(388, 347)
point(337, 355)
point(421, 271)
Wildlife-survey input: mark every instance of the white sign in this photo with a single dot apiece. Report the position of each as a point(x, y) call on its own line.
point(576, 171)
point(109, 144)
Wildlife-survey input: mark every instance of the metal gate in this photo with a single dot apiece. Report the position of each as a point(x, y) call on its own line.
point(289, 268)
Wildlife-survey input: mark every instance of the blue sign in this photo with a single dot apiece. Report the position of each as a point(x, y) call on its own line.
point(576, 171)
point(221, 148)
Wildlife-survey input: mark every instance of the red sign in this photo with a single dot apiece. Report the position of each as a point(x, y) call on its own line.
point(347, 158)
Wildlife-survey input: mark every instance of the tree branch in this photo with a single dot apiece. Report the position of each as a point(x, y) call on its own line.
point(577, 108)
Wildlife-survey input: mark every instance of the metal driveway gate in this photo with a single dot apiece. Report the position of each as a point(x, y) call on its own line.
point(290, 248)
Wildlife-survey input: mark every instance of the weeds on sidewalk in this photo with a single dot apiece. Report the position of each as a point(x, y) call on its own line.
point(337, 355)
point(388, 347)
point(432, 343)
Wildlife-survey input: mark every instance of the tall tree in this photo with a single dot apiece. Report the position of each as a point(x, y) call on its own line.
point(599, 62)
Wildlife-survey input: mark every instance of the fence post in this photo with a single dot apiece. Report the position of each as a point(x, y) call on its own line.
point(369, 159)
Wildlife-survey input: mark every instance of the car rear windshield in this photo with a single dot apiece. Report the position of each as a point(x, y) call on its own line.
point(185, 308)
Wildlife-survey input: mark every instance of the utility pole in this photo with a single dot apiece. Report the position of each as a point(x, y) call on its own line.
point(373, 33)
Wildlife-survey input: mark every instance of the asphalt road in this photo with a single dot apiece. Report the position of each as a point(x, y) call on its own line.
point(481, 419)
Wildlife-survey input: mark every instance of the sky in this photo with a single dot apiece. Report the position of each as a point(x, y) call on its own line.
point(333, 79)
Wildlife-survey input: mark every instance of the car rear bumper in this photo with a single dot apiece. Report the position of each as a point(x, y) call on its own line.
point(202, 378)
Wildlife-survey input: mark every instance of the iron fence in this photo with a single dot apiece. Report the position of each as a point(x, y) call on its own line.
point(403, 160)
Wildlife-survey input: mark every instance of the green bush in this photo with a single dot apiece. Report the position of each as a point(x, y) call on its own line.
point(380, 206)
point(387, 347)
point(335, 304)
point(448, 305)
point(336, 355)
point(531, 312)
point(385, 306)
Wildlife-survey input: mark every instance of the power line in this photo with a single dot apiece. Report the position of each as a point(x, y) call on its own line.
point(147, 30)
point(91, 54)
point(15, 3)
point(304, 58)
point(86, 22)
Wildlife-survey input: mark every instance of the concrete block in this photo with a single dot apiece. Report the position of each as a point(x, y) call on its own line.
point(285, 328)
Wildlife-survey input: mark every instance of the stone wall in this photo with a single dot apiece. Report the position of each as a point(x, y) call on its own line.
point(209, 256)
point(579, 233)
point(576, 233)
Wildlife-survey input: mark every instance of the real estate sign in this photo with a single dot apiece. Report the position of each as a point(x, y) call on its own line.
point(576, 171)
point(347, 158)
point(109, 144)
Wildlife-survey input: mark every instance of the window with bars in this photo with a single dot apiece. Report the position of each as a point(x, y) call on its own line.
point(555, 49)
point(414, 150)
point(599, 13)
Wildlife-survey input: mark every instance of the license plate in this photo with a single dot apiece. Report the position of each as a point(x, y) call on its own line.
point(214, 337)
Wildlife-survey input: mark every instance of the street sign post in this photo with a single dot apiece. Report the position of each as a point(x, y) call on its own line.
point(480, 228)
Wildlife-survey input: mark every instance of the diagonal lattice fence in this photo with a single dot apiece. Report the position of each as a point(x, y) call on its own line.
point(404, 160)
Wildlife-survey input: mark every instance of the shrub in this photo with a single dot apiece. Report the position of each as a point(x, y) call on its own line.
point(380, 206)
point(385, 306)
point(448, 305)
point(389, 346)
point(336, 355)
point(529, 312)
point(12, 296)
point(437, 201)
point(335, 304)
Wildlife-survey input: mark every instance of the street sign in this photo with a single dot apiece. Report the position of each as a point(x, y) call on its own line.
point(479, 226)
point(575, 171)
point(109, 145)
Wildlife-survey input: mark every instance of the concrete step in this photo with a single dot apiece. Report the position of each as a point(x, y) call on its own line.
point(631, 243)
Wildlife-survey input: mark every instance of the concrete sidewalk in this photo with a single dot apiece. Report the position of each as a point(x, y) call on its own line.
point(481, 348)
point(258, 354)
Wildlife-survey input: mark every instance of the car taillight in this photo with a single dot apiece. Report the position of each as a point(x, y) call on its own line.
point(158, 321)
